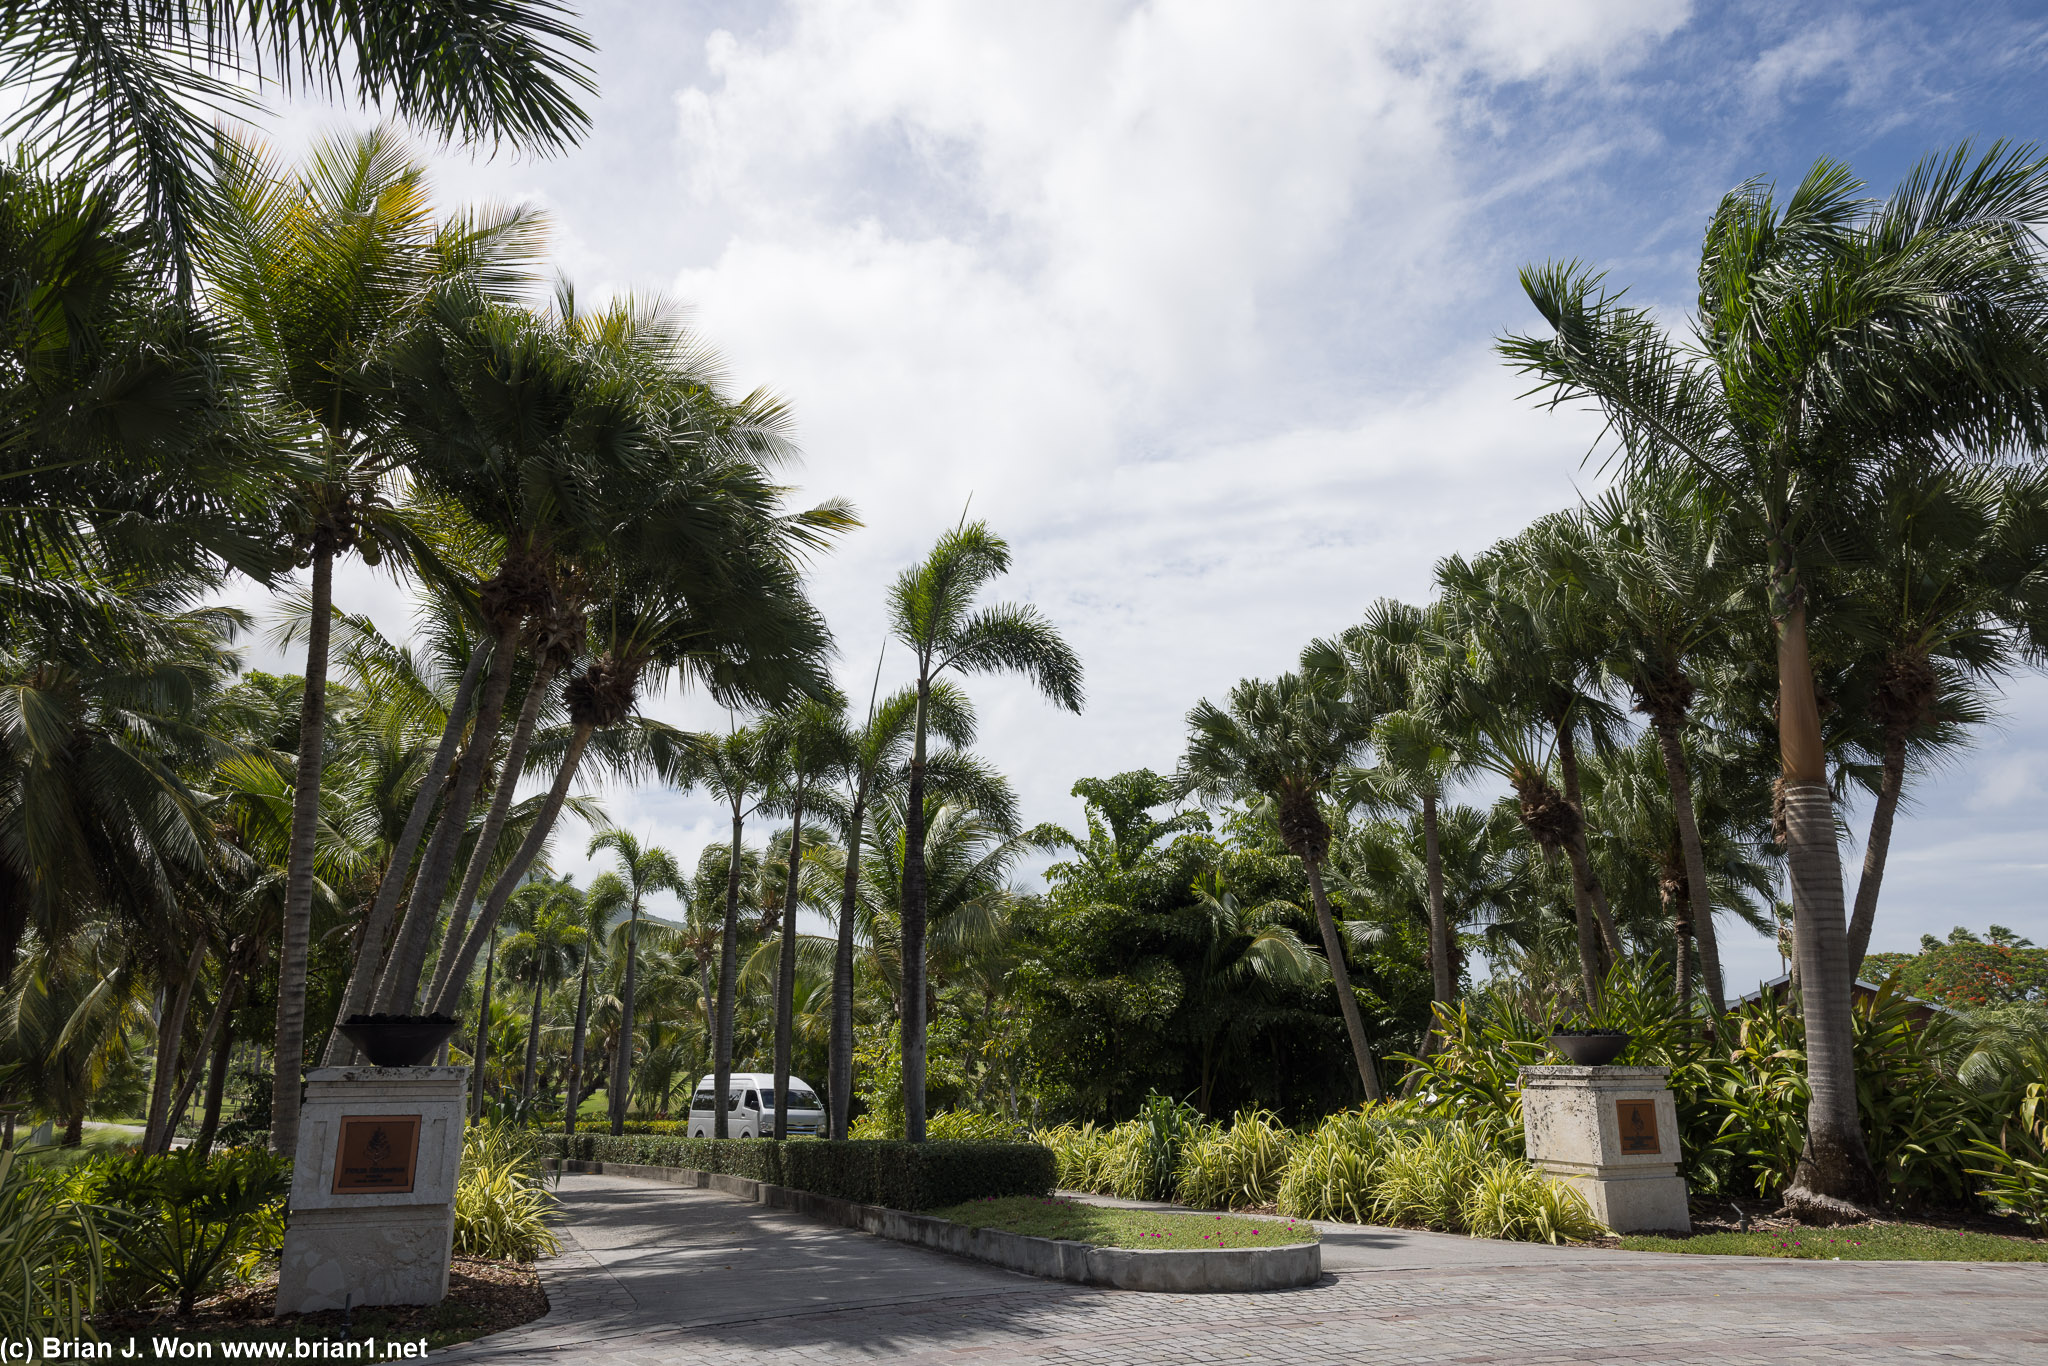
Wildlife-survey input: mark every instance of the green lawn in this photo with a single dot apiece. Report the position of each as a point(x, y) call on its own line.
point(1046, 1217)
point(1862, 1243)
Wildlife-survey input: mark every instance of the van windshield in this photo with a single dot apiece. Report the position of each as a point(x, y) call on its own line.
point(800, 1098)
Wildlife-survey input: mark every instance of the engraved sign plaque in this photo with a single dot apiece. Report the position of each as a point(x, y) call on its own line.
point(376, 1154)
point(1638, 1127)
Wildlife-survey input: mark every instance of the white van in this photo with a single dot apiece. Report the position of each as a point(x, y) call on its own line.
point(750, 1107)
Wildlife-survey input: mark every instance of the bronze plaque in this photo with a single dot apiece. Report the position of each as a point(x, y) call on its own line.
point(377, 1154)
point(1638, 1127)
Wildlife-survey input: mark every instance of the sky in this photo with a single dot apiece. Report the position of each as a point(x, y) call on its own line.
point(1194, 303)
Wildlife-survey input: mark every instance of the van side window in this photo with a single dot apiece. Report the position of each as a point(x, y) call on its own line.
point(702, 1100)
point(732, 1100)
point(753, 1101)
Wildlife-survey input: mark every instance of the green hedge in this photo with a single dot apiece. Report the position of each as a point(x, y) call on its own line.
point(898, 1175)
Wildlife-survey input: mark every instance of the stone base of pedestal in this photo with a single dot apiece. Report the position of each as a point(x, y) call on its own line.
point(363, 1257)
point(1611, 1133)
point(373, 1188)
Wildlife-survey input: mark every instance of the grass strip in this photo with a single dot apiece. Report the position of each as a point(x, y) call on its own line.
point(1860, 1243)
point(1055, 1217)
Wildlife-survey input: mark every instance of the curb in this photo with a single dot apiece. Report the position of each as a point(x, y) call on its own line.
point(1174, 1271)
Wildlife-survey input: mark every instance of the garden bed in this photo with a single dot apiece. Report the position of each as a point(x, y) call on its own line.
point(1873, 1242)
point(484, 1296)
point(1105, 1226)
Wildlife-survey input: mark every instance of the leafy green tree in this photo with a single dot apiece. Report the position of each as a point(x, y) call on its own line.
point(1967, 972)
point(932, 612)
point(1833, 337)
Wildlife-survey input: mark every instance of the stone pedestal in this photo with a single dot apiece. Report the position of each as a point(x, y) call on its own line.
point(373, 1188)
point(1612, 1134)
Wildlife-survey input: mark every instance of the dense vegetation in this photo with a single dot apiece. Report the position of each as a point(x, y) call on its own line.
point(1359, 897)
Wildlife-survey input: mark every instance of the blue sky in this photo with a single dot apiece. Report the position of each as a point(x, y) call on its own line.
point(1196, 300)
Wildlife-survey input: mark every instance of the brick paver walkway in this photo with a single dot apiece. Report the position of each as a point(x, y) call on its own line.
point(652, 1275)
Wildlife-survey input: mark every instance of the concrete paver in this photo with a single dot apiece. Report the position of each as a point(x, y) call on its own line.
point(653, 1275)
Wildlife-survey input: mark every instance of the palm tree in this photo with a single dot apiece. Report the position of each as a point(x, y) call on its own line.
point(739, 768)
point(1661, 597)
point(932, 613)
point(1833, 339)
point(131, 91)
point(641, 873)
point(1242, 947)
point(597, 923)
point(814, 740)
point(1284, 742)
point(549, 942)
point(1946, 574)
point(321, 271)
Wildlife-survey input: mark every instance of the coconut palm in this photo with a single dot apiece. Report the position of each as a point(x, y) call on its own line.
point(1833, 338)
point(132, 90)
point(549, 942)
point(1244, 950)
point(598, 921)
point(932, 613)
point(1284, 742)
point(641, 872)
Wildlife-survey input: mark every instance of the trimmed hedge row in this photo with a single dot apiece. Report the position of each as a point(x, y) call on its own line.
point(907, 1176)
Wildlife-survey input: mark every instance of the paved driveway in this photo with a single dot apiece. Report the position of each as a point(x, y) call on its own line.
point(653, 1274)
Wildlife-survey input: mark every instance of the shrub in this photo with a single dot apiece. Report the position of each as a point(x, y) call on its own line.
point(1077, 1150)
point(182, 1223)
point(1423, 1179)
point(502, 1200)
point(1136, 1160)
point(50, 1255)
point(1238, 1166)
point(899, 1175)
point(1511, 1199)
point(950, 1126)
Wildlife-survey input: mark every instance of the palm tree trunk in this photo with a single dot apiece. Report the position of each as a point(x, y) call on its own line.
point(532, 1038)
point(170, 1036)
point(362, 979)
point(728, 974)
point(216, 1090)
point(1333, 949)
point(841, 1068)
point(622, 1061)
point(484, 851)
point(1589, 897)
point(486, 928)
point(1835, 1165)
point(914, 931)
point(401, 981)
point(296, 941)
point(480, 1054)
point(1677, 903)
point(1878, 847)
point(785, 967)
point(216, 1028)
point(576, 1048)
point(1442, 976)
point(1678, 773)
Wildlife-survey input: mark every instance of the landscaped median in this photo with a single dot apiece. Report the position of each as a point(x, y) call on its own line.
point(988, 1201)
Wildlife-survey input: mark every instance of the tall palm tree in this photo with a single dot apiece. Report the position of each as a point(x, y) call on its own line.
point(132, 90)
point(932, 612)
point(550, 940)
point(814, 740)
point(597, 923)
point(1242, 947)
point(1284, 742)
point(1946, 577)
point(739, 768)
point(321, 270)
point(1833, 337)
point(876, 763)
point(641, 872)
point(1661, 596)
